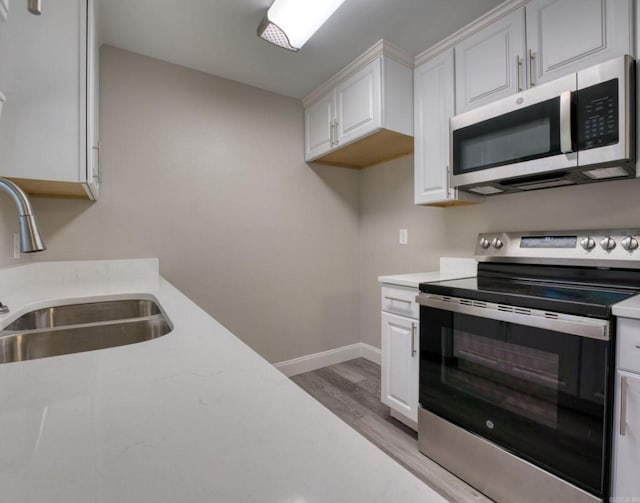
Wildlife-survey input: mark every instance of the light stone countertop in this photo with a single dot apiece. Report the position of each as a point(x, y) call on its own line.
point(194, 416)
point(629, 308)
point(450, 268)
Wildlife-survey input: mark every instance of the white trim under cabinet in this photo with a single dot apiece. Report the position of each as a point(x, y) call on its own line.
point(400, 355)
point(363, 115)
point(433, 91)
point(49, 74)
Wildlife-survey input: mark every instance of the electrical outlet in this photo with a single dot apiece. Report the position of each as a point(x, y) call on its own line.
point(16, 245)
point(404, 237)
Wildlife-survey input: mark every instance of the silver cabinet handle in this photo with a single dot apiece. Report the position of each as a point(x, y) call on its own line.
point(565, 123)
point(637, 346)
point(413, 339)
point(335, 134)
point(518, 65)
point(396, 299)
point(532, 56)
point(35, 7)
point(623, 406)
point(331, 140)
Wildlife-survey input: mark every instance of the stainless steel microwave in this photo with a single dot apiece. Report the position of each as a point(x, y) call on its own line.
point(577, 129)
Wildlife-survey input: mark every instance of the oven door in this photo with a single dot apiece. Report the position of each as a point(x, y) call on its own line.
point(539, 391)
point(520, 136)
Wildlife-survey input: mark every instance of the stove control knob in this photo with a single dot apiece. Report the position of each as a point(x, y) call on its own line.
point(630, 243)
point(588, 243)
point(485, 243)
point(497, 243)
point(608, 243)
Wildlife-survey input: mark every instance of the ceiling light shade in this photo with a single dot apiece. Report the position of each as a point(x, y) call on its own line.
point(290, 23)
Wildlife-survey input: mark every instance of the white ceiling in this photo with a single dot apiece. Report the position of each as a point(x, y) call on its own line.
point(219, 36)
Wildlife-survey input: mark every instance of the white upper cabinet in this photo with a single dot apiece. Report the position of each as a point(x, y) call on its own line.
point(358, 104)
point(363, 115)
point(433, 106)
point(564, 36)
point(48, 73)
point(318, 126)
point(433, 103)
point(561, 37)
point(489, 63)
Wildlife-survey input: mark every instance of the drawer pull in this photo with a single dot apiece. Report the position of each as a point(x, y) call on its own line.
point(413, 339)
point(623, 406)
point(396, 299)
point(637, 346)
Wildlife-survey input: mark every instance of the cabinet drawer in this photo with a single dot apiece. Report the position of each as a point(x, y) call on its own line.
point(400, 300)
point(629, 344)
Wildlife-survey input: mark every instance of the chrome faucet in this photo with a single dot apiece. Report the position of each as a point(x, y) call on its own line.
point(30, 239)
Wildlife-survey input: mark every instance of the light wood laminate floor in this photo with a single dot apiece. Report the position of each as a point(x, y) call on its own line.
point(351, 390)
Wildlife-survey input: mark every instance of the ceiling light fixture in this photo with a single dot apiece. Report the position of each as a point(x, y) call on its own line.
point(290, 23)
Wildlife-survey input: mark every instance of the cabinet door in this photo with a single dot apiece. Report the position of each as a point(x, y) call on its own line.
point(318, 131)
point(359, 103)
point(93, 94)
point(626, 482)
point(489, 63)
point(433, 107)
point(400, 364)
point(42, 74)
point(564, 36)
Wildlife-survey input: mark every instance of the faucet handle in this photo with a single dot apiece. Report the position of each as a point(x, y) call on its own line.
point(3, 309)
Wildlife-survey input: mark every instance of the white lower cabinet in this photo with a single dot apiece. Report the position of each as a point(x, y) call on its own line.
point(400, 364)
point(626, 425)
point(626, 482)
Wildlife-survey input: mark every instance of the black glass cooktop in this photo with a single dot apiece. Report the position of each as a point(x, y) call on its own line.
point(577, 291)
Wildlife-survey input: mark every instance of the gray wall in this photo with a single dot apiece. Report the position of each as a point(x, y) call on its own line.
point(208, 175)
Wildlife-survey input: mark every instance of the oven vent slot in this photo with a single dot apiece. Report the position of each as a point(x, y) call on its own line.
point(465, 302)
point(552, 316)
point(446, 299)
point(511, 309)
point(479, 304)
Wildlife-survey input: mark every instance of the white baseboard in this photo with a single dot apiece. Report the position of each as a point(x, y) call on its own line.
point(369, 352)
point(325, 358)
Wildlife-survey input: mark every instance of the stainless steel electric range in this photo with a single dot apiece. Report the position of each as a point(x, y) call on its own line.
point(516, 365)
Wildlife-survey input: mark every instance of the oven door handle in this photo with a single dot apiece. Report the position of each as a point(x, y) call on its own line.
point(577, 325)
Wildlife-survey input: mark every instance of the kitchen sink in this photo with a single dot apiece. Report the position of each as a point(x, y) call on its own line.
point(79, 314)
point(61, 330)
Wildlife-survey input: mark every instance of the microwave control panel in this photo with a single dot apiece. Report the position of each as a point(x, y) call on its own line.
point(597, 115)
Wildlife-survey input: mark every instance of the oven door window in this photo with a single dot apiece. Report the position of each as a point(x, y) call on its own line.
point(529, 133)
point(538, 393)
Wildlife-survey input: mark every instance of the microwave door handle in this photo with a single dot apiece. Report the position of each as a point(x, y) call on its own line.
point(566, 144)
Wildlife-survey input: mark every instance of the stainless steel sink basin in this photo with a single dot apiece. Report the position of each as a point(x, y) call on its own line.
point(78, 314)
point(61, 330)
